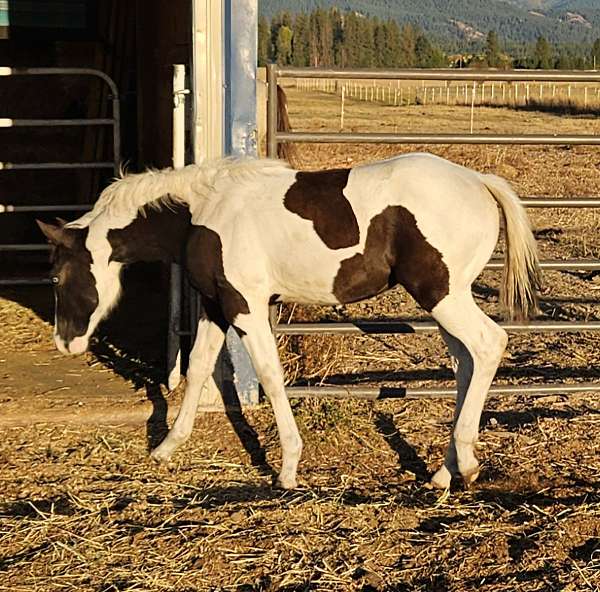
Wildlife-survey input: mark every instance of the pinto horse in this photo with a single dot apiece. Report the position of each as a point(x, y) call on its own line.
point(262, 232)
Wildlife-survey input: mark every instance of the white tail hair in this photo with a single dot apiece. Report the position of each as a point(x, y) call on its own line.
point(522, 275)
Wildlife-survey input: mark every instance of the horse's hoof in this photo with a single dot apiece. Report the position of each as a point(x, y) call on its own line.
point(159, 456)
point(285, 483)
point(441, 479)
point(470, 476)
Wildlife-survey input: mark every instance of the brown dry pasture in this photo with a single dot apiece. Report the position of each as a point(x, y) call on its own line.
point(82, 508)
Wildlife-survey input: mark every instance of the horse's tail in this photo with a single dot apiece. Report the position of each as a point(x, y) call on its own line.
point(285, 150)
point(522, 276)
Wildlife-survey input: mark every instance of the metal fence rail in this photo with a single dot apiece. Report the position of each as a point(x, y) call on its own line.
point(371, 393)
point(396, 327)
point(400, 326)
point(524, 139)
point(114, 122)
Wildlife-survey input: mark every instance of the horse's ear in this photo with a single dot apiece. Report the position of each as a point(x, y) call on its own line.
point(61, 221)
point(55, 234)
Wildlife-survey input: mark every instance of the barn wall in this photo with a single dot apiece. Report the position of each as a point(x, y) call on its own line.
point(133, 41)
point(163, 30)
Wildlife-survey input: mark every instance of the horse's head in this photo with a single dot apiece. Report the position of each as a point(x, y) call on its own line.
point(86, 284)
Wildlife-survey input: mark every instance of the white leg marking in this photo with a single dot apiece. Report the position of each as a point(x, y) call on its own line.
point(261, 346)
point(208, 343)
point(478, 344)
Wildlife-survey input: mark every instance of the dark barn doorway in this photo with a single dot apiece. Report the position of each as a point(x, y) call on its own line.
point(135, 42)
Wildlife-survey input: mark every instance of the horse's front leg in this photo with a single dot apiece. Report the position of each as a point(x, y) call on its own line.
point(208, 343)
point(262, 348)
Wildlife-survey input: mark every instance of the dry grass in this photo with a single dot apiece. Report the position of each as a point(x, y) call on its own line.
point(558, 98)
point(84, 509)
point(88, 511)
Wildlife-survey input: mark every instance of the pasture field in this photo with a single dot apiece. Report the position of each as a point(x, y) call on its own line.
point(83, 508)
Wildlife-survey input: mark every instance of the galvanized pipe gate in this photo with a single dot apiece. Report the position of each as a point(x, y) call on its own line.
point(398, 326)
point(113, 122)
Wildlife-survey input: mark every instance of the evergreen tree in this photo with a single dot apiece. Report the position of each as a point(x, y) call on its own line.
point(283, 46)
point(379, 43)
point(407, 57)
point(264, 41)
point(350, 44)
point(392, 44)
point(350, 39)
point(564, 60)
point(276, 24)
point(337, 24)
point(427, 55)
point(366, 43)
point(320, 36)
point(300, 55)
point(285, 20)
point(493, 56)
point(596, 54)
point(542, 54)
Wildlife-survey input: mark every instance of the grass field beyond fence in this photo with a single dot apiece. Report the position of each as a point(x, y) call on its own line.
point(576, 98)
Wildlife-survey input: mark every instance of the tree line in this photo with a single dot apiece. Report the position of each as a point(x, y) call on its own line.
point(327, 38)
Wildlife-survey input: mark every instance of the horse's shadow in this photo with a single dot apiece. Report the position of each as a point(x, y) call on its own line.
point(408, 457)
point(132, 340)
point(157, 426)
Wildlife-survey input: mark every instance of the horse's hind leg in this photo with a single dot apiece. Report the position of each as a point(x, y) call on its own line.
point(477, 344)
point(208, 343)
point(261, 346)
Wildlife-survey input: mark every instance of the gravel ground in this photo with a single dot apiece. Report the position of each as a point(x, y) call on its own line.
point(83, 508)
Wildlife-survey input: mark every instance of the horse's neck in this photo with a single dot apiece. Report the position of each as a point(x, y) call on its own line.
point(156, 235)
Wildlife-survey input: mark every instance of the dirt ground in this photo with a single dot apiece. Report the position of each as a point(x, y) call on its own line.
point(83, 508)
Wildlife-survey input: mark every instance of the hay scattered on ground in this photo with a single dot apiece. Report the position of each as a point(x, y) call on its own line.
point(84, 509)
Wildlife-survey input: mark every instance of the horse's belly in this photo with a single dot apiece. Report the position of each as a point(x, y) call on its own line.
point(335, 280)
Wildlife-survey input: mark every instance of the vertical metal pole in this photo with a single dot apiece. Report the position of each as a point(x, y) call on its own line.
point(174, 343)
point(116, 113)
point(241, 40)
point(241, 33)
point(271, 111)
point(207, 131)
point(272, 142)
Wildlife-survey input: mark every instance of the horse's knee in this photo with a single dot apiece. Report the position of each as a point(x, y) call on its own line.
point(271, 378)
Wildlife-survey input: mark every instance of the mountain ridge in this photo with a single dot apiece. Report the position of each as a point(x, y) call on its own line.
point(515, 21)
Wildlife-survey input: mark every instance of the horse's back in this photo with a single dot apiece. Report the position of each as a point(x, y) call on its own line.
point(343, 235)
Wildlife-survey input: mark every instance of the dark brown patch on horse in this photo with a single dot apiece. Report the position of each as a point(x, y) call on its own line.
point(319, 196)
point(204, 260)
point(396, 252)
point(155, 235)
point(76, 294)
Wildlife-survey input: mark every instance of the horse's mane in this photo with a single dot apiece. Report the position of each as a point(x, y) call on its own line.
point(130, 194)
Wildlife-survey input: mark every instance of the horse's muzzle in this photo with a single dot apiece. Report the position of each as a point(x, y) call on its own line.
point(76, 346)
